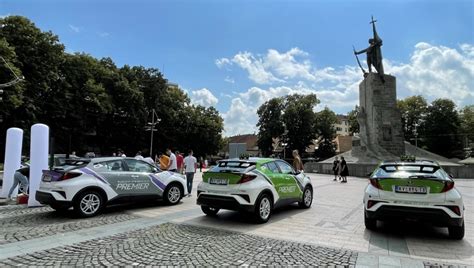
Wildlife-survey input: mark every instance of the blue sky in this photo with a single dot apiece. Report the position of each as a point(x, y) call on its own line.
point(235, 55)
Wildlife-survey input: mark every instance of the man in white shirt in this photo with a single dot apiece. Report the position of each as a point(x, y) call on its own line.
point(172, 166)
point(139, 156)
point(190, 165)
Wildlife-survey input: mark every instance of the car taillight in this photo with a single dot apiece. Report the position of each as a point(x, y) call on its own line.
point(371, 203)
point(69, 175)
point(246, 178)
point(448, 186)
point(375, 183)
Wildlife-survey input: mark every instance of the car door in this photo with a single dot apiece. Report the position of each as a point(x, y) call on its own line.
point(290, 187)
point(138, 178)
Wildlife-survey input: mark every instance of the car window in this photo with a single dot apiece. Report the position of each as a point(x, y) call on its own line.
point(115, 165)
point(272, 167)
point(398, 171)
point(138, 166)
point(284, 167)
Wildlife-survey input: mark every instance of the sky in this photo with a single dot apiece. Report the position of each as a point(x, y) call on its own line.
point(235, 55)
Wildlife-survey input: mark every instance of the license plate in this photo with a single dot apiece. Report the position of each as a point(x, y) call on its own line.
point(410, 189)
point(46, 178)
point(218, 181)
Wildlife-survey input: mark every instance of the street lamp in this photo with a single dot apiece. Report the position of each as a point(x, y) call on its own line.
point(416, 137)
point(151, 127)
point(284, 144)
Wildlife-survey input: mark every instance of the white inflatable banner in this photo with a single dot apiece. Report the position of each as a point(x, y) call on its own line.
point(12, 163)
point(38, 158)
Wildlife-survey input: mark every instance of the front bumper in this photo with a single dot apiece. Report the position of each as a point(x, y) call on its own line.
point(223, 202)
point(436, 216)
point(46, 198)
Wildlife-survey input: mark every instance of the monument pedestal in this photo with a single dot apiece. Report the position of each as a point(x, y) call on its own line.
point(381, 133)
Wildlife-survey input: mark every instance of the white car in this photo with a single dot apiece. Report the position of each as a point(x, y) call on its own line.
point(89, 185)
point(255, 185)
point(414, 190)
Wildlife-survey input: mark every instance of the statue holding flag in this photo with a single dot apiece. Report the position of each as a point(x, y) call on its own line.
point(374, 53)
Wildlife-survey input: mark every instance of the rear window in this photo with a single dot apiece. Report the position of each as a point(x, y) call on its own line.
point(407, 171)
point(233, 166)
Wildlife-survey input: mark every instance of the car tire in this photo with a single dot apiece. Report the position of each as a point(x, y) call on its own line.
point(173, 194)
point(370, 224)
point(456, 232)
point(263, 208)
point(88, 204)
point(307, 198)
point(209, 211)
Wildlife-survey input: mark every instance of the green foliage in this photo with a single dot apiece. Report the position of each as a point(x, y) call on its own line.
point(91, 104)
point(440, 129)
point(290, 119)
point(325, 121)
point(413, 110)
point(270, 124)
point(467, 122)
point(353, 123)
point(300, 121)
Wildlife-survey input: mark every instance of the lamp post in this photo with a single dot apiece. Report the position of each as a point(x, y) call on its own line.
point(284, 144)
point(151, 127)
point(416, 137)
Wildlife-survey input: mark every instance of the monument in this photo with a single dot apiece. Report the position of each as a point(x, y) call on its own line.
point(381, 133)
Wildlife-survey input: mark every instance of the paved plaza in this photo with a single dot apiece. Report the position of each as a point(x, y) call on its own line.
point(330, 233)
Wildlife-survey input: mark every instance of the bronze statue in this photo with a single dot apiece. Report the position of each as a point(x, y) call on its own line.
point(374, 54)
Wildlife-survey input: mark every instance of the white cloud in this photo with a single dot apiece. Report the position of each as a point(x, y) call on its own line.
point(432, 71)
point(203, 97)
point(229, 80)
point(75, 29)
point(437, 72)
point(222, 62)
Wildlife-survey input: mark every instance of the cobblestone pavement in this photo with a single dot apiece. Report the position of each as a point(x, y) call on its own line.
point(174, 244)
point(19, 223)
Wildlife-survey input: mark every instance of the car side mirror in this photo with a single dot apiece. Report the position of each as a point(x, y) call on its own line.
point(296, 173)
point(155, 170)
point(450, 175)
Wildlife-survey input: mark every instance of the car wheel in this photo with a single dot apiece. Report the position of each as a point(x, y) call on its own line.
point(370, 224)
point(307, 198)
point(456, 232)
point(209, 211)
point(263, 208)
point(88, 204)
point(173, 194)
point(59, 208)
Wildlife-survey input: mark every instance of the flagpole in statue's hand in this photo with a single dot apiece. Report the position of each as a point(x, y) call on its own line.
point(358, 62)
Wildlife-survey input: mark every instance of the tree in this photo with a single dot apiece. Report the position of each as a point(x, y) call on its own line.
point(300, 121)
point(413, 110)
point(440, 129)
point(353, 123)
point(467, 124)
point(325, 121)
point(270, 124)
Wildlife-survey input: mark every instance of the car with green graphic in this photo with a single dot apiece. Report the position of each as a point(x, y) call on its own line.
point(254, 185)
point(417, 190)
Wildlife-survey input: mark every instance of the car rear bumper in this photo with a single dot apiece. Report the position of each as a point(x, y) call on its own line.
point(48, 199)
point(223, 202)
point(430, 215)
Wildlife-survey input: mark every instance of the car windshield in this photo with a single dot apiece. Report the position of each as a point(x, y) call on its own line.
point(411, 171)
point(233, 166)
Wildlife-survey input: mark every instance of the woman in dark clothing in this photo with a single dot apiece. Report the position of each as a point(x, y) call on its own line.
point(335, 168)
point(344, 170)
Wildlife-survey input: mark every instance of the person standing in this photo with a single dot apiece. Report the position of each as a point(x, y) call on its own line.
point(190, 166)
point(139, 156)
point(179, 162)
point(297, 163)
point(344, 170)
point(200, 164)
point(172, 166)
point(335, 168)
point(20, 178)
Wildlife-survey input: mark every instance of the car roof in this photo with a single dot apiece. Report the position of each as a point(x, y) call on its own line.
point(423, 162)
point(112, 158)
point(259, 160)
